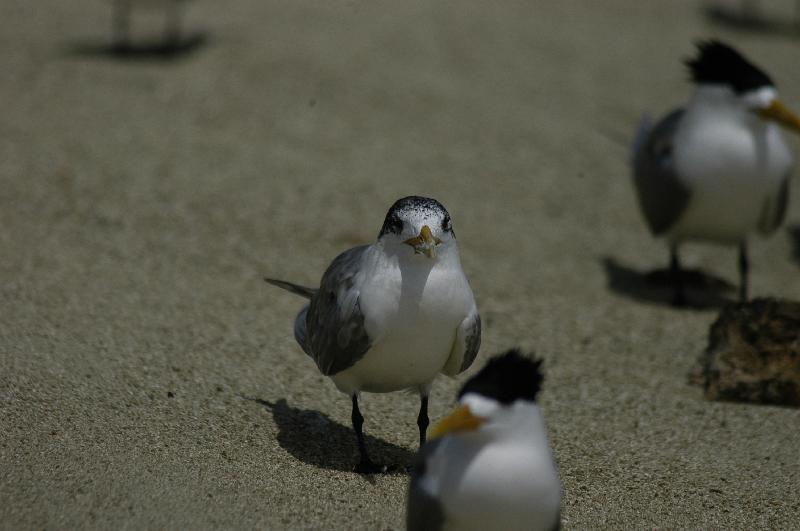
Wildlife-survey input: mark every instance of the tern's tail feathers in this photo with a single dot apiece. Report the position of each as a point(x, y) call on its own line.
point(642, 133)
point(294, 288)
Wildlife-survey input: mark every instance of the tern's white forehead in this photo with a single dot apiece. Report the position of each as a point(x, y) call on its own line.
point(760, 97)
point(479, 405)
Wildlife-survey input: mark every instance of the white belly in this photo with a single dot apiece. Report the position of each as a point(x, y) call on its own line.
point(401, 361)
point(732, 173)
point(724, 212)
point(413, 316)
point(504, 487)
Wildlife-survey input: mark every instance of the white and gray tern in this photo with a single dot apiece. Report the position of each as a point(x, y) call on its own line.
point(394, 314)
point(716, 170)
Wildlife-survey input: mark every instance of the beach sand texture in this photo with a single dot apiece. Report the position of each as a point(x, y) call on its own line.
point(149, 378)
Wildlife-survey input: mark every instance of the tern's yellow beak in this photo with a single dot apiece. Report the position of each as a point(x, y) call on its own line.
point(425, 243)
point(461, 419)
point(780, 113)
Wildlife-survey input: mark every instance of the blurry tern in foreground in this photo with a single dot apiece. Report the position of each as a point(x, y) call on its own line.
point(718, 169)
point(489, 465)
point(392, 315)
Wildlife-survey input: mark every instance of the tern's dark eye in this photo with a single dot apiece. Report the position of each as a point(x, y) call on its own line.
point(446, 225)
point(395, 225)
point(392, 224)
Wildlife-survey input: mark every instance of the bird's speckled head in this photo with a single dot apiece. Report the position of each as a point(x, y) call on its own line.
point(420, 222)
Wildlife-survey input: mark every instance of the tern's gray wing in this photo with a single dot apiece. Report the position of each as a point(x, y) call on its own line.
point(423, 511)
point(662, 196)
point(334, 333)
point(774, 210)
point(466, 345)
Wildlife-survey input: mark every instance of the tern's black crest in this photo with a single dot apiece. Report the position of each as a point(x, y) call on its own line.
point(718, 63)
point(506, 378)
point(403, 208)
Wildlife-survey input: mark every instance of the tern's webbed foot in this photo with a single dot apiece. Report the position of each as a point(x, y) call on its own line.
point(365, 466)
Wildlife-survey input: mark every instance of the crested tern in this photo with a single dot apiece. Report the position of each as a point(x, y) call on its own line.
point(394, 314)
point(489, 464)
point(716, 170)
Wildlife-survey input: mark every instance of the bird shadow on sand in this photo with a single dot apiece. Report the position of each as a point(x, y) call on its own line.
point(754, 22)
point(315, 439)
point(703, 290)
point(153, 51)
point(794, 237)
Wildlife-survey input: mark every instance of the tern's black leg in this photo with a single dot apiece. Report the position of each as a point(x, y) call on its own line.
point(365, 464)
point(679, 297)
point(422, 419)
point(744, 268)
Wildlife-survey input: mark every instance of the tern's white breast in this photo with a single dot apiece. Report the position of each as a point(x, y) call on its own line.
point(508, 483)
point(412, 311)
point(732, 162)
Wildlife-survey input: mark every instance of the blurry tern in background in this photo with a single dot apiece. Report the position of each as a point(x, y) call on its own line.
point(392, 315)
point(718, 169)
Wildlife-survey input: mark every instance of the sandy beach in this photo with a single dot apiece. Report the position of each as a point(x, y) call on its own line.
point(148, 376)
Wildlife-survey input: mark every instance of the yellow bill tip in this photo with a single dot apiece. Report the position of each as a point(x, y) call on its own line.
point(780, 113)
point(425, 243)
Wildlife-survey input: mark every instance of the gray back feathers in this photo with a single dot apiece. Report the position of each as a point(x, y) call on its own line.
point(331, 328)
point(335, 333)
point(473, 342)
point(662, 196)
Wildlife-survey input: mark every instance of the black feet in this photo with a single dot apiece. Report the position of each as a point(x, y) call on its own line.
point(422, 419)
point(365, 464)
point(678, 280)
point(368, 467)
point(744, 268)
point(679, 294)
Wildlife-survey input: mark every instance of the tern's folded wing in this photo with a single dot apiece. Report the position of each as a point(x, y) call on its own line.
point(662, 196)
point(335, 333)
point(466, 345)
point(773, 210)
